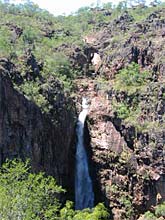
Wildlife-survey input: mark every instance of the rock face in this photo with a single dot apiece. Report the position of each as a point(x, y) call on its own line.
point(127, 169)
point(123, 40)
point(26, 132)
point(127, 162)
point(96, 62)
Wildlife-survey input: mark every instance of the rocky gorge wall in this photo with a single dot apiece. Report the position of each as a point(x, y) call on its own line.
point(127, 169)
point(25, 132)
point(127, 156)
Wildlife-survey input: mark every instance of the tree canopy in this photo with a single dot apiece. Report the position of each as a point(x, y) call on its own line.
point(27, 196)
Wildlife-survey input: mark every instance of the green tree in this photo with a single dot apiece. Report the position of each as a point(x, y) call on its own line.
point(122, 6)
point(5, 41)
point(160, 210)
point(99, 212)
point(24, 195)
point(131, 78)
point(29, 196)
point(156, 2)
point(108, 5)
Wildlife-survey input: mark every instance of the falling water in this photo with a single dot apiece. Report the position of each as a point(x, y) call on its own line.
point(84, 196)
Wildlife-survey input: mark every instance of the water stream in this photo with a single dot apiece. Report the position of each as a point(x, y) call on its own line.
point(84, 196)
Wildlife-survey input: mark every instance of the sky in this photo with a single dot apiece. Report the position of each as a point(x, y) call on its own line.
point(59, 7)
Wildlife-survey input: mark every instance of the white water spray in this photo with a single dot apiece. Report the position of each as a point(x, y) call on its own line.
point(84, 196)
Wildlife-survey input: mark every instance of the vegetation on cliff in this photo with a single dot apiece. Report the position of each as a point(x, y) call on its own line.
point(31, 38)
point(46, 58)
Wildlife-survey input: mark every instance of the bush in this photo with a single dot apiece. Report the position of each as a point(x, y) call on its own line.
point(131, 79)
point(29, 196)
point(122, 110)
point(24, 195)
point(30, 35)
point(99, 212)
point(32, 91)
point(160, 210)
point(149, 216)
point(5, 41)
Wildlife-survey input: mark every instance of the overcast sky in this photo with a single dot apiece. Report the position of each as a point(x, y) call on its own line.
point(58, 7)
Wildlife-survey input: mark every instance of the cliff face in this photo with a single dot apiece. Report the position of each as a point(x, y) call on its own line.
point(126, 164)
point(125, 122)
point(27, 133)
point(120, 68)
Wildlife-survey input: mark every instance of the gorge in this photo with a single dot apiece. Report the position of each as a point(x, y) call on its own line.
point(114, 153)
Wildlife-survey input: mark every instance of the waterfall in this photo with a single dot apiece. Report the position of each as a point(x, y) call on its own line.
point(84, 196)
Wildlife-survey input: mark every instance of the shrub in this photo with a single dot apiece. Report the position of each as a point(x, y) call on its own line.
point(99, 212)
point(131, 79)
point(122, 110)
point(24, 195)
point(32, 92)
point(30, 35)
point(149, 216)
point(27, 196)
point(5, 41)
point(160, 210)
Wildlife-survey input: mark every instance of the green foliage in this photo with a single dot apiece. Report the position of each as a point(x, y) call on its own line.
point(24, 195)
point(27, 196)
point(48, 38)
point(141, 13)
point(122, 110)
point(160, 210)
point(30, 35)
point(131, 103)
point(35, 23)
point(107, 5)
point(5, 39)
point(131, 79)
point(102, 84)
point(59, 66)
point(113, 188)
point(127, 203)
point(149, 216)
point(99, 212)
point(121, 6)
point(32, 91)
point(131, 82)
